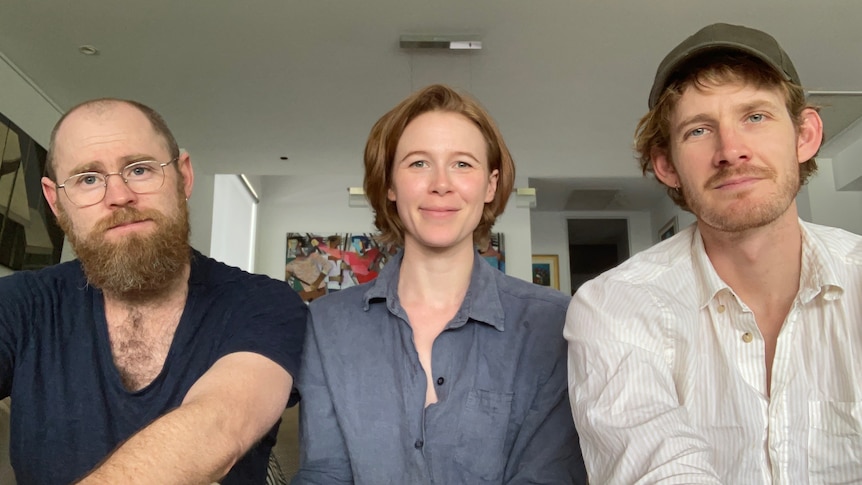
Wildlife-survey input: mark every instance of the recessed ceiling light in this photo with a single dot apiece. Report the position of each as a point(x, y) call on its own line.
point(283, 158)
point(88, 50)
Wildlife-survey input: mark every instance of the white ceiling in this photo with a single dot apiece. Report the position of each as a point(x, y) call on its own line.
point(244, 83)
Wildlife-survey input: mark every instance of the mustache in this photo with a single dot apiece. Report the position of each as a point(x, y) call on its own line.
point(126, 215)
point(728, 173)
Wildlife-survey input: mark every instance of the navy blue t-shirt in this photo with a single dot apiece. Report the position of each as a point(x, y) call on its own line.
point(69, 407)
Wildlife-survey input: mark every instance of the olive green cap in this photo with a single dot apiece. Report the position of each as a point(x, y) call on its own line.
point(723, 37)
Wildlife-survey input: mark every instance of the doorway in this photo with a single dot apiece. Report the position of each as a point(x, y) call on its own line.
point(595, 246)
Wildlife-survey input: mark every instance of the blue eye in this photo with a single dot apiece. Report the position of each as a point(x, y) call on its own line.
point(140, 170)
point(419, 163)
point(697, 132)
point(87, 179)
point(757, 117)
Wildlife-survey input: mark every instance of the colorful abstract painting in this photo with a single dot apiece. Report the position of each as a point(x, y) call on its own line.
point(318, 264)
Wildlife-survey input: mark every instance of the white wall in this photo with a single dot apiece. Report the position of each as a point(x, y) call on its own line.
point(845, 150)
point(4, 271)
point(318, 204)
point(550, 235)
point(830, 207)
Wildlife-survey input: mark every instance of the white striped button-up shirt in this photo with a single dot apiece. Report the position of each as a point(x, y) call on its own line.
point(667, 374)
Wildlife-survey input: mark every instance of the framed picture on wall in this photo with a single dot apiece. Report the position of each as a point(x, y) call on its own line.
point(546, 270)
point(668, 229)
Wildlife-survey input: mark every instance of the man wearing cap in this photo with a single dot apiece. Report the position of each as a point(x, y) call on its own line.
point(730, 352)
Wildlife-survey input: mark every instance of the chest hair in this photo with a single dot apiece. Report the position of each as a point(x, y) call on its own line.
point(140, 342)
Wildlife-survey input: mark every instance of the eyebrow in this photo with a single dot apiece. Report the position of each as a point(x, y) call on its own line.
point(425, 154)
point(98, 166)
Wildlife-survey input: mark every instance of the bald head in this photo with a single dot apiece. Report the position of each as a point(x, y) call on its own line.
point(100, 107)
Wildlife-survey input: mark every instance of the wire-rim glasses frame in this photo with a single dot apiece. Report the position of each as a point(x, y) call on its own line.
point(141, 177)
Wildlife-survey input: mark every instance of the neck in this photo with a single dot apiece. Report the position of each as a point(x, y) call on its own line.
point(761, 264)
point(439, 276)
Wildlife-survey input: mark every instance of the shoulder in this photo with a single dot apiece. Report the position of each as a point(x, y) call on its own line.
point(665, 268)
point(838, 243)
point(526, 293)
point(241, 293)
point(233, 282)
point(347, 302)
point(53, 280)
point(653, 289)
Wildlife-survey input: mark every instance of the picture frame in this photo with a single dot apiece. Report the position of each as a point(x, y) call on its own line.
point(668, 229)
point(546, 270)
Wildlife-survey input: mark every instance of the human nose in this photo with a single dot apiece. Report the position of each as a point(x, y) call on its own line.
point(441, 182)
point(732, 147)
point(120, 194)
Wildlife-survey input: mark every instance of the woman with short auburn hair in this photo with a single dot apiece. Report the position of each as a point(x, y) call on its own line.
point(443, 369)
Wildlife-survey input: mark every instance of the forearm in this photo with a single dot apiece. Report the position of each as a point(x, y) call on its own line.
point(189, 445)
point(224, 413)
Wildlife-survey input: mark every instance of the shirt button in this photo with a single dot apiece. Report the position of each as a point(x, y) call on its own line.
point(720, 308)
point(440, 381)
point(747, 337)
point(418, 444)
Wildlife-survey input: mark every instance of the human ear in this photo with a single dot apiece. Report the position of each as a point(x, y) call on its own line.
point(50, 191)
point(809, 135)
point(492, 186)
point(663, 167)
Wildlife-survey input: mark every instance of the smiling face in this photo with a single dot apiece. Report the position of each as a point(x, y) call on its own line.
point(441, 181)
point(127, 242)
point(735, 154)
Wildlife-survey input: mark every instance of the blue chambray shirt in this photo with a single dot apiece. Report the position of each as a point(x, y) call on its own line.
point(499, 367)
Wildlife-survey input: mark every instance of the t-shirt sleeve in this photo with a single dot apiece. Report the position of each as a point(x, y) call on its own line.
point(13, 308)
point(268, 318)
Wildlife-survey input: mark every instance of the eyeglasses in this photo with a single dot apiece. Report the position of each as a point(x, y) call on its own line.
point(89, 188)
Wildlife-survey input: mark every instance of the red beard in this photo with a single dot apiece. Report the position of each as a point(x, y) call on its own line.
point(136, 267)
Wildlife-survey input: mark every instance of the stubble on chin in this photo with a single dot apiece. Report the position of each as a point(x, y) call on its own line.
point(740, 214)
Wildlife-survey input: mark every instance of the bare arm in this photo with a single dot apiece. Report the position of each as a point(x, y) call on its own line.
point(224, 413)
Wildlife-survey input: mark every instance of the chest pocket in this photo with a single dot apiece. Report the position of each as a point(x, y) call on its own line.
point(482, 433)
point(834, 442)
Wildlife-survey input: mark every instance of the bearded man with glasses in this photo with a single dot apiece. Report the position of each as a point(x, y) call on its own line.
point(143, 361)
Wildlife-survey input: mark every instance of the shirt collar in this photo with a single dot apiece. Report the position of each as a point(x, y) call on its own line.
point(709, 283)
point(818, 270)
point(818, 274)
point(481, 303)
